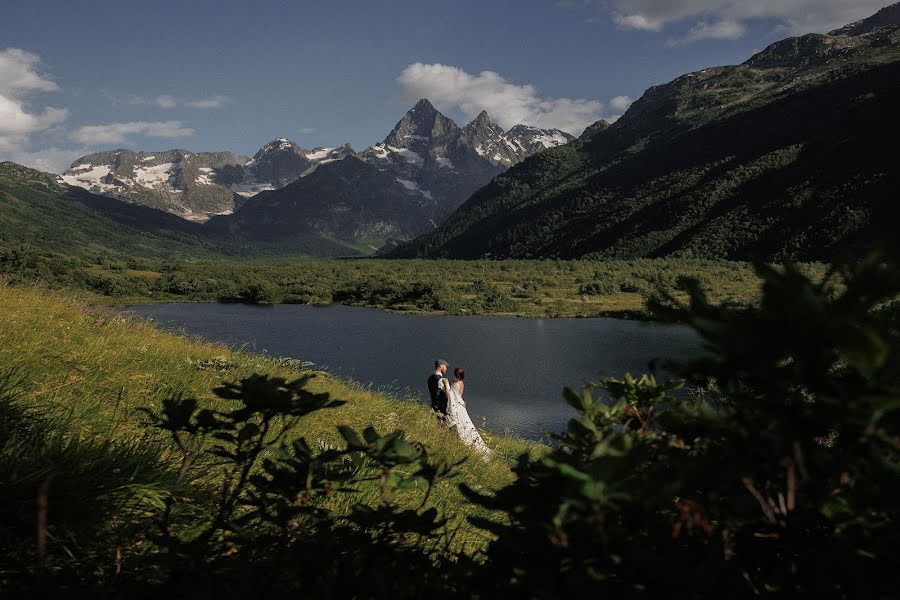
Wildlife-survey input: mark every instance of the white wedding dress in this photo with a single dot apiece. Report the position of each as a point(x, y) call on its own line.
point(458, 416)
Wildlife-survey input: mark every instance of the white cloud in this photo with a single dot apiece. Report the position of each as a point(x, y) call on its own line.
point(14, 120)
point(639, 22)
point(726, 19)
point(621, 103)
point(507, 103)
point(307, 130)
point(117, 133)
point(20, 79)
point(19, 73)
point(167, 101)
point(726, 29)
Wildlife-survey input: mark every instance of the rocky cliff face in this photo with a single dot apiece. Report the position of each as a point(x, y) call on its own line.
point(190, 185)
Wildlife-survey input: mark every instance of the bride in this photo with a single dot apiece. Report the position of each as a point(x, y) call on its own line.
point(458, 416)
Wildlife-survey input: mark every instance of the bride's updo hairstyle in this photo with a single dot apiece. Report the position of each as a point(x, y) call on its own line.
point(459, 373)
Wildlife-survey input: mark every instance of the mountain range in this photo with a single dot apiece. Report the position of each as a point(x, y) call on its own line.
point(429, 163)
point(791, 155)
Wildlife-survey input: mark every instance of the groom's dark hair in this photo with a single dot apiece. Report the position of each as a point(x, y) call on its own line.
point(459, 373)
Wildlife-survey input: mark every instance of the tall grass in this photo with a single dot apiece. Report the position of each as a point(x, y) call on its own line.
point(88, 372)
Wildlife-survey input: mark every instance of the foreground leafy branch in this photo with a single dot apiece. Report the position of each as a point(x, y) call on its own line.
point(777, 473)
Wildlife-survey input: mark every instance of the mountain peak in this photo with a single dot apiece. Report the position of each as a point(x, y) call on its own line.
point(423, 105)
point(483, 122)
point(421, 123)
point(592, 130)
point(277, 145)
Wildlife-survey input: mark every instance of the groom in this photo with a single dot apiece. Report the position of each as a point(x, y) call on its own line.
point(437, 392)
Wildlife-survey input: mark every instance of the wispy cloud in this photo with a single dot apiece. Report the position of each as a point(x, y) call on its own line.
point(726, 29)
point(638, 22)
point(167, 101)
point(123, 99)
point(117, 133)
point(307, 130)
point(211, 102)
point(506, 102)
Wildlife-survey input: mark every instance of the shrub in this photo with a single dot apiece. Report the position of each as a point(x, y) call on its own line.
point(599, 288)
point(259, 292)
point(527, 289)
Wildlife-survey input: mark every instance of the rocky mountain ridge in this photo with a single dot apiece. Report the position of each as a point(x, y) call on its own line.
point(426, 151)
point(405, 185)
point(195, 185)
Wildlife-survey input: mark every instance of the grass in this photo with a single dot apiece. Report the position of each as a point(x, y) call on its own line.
point(98, 368)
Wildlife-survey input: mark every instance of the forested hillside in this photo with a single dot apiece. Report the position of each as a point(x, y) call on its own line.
point(791, 155)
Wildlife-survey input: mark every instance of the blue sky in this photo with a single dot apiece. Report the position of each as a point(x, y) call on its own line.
point(232, 75)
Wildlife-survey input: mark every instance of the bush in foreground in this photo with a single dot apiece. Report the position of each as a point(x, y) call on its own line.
point(779, 477)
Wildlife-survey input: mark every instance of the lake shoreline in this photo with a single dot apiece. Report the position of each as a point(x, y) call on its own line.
point(517, 368)
point(622, 315)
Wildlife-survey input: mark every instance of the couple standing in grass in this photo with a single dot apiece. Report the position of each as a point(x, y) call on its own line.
point(448, 404)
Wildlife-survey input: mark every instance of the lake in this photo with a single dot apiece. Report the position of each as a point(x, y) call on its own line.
point(516, 368)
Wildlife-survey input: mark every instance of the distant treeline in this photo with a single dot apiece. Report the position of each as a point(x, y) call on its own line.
point(533, 288)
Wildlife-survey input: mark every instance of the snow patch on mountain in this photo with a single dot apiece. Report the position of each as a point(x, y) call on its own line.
point(414, 187)
point(408, 155)
point(89, 177)
point(380, 152)
point(250, 188)
point(319, 153)
point(205, 178)
point(551, 139)
point(155, 176)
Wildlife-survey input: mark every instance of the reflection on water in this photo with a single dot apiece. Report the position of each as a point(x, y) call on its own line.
point(515, 368)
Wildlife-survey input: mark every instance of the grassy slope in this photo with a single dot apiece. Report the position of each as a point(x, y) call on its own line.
point(100, 368)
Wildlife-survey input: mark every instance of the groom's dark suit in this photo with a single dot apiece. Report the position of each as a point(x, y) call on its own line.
point(438, 397)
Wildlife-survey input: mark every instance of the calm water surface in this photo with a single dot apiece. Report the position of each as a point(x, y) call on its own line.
point(515, 368)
